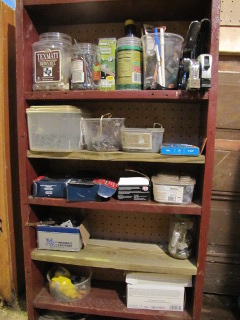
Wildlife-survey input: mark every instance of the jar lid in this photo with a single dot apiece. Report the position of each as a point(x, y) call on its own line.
point(128, 22)
point(143, 130)
point(129, 41)
point(55, 36)
point(171, 179)
point(54, 109)
point(85, 46)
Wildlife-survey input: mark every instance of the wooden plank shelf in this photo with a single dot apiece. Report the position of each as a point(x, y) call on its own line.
point(105, 299)
point(116, 205)
point(116, 156)
point(143, 95)
point(120, 255)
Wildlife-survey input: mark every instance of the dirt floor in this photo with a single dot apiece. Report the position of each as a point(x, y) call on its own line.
point(215, 307)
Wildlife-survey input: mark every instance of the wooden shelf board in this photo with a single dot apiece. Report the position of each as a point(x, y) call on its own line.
point(118, 95)
point(121, 256)
point(109, 301)
point(116, 156)
point(116, 205)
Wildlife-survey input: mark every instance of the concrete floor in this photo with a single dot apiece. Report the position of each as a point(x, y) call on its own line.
point(215, 307)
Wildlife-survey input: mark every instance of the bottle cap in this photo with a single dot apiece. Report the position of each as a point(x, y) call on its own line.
point(129, 21)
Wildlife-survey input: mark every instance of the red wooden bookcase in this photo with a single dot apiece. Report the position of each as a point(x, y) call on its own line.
point(186, 116)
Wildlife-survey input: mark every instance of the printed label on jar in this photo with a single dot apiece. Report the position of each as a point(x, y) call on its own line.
point(169, 194)
point(47, 66)
point(134, 140)
point(77, 69)
point(128, 67)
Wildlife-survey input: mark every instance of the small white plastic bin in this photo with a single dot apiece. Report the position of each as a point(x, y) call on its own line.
point(54, 128)
point(173, 189)
point(142, 139)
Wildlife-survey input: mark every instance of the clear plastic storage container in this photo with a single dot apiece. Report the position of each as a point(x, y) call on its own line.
point(52, 61)
point(142, 139)
point(69, 288)
point(85, 69)
point(103, 134)
point(172, 49)
point(54, 128)
point(181, 237)
point(173, 189)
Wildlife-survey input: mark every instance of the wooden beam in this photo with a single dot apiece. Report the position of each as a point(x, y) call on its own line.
point(227, 145)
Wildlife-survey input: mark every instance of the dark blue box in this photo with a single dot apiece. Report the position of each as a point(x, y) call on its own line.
point(49, 187)
point(90, 189)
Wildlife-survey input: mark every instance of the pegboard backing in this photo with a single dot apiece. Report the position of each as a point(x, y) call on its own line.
point(230, 13)
point(92, 32)
point(181, 121)
point(124, 226)
point(109, 274)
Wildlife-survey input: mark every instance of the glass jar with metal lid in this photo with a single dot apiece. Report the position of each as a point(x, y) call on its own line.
point(52, 61)
point(181, 237)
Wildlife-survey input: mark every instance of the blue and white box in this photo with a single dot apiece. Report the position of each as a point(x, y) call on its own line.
point(176, 149)
point(61, 238)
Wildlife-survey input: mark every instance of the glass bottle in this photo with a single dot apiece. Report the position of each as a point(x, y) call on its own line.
point(181, 237)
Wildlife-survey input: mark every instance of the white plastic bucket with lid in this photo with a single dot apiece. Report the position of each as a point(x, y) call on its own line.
point(173, 189)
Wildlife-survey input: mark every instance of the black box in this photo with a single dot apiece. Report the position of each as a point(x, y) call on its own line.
point(134, 189)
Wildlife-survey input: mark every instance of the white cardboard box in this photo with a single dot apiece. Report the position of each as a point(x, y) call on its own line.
point(156, 291)
point(61, 238)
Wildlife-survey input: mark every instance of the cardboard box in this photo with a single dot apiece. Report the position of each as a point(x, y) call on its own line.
point(90, 189)
point(134, 189)
point(107, 48)
point(49, 187)
point(156, 291)
point(62, 238)
point(180, 150)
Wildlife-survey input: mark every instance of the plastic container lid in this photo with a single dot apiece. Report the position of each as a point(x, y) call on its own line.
point(129, 41)
point(54, 109)
point(176, 180)
point(143, 130)
point(88, 47)
point(55, 36)
point(103, 119)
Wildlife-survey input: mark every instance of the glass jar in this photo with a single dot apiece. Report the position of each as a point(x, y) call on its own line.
point(85, 69)
point(52, 61)
point(181, 237)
